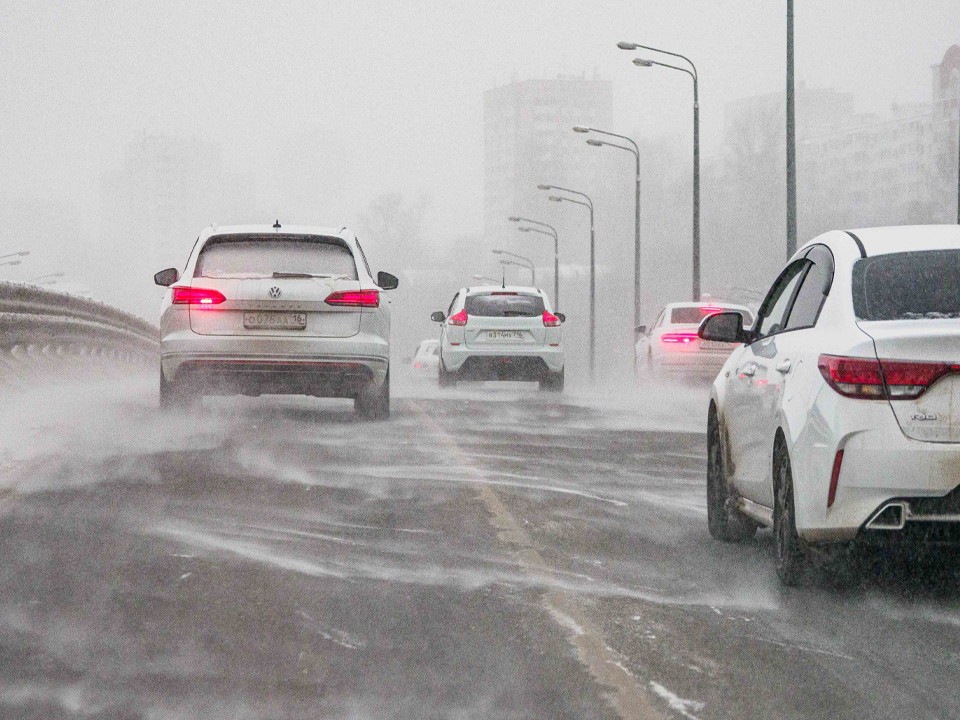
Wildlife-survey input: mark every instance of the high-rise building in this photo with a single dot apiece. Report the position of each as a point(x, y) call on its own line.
point(528, 140)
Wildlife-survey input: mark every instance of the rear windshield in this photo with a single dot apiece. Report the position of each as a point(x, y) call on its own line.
point(922, 285)
point(257, 257)
point(505, 305)
point(693, 315)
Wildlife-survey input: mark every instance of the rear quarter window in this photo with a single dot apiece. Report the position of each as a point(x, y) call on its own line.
point(922, 285)
point(244, 256)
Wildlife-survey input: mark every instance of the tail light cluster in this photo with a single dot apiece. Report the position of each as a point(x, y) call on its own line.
point(872, 379)
point(354, 298)
point(458, 319)
point(550, 320)
point(197, 296)
point(678, 338)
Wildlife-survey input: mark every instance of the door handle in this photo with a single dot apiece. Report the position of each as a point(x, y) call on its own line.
point(784, 367)
point(748, 370)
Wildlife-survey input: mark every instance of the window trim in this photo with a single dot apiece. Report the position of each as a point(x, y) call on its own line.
point(764, 309)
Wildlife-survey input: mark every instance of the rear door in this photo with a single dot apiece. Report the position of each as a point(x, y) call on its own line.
point(504, 319)
point(277, 285)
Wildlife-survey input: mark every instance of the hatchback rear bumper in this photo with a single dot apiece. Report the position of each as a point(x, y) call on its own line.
point(549, 359)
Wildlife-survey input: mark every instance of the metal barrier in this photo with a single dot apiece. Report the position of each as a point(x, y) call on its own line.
point(41, 326)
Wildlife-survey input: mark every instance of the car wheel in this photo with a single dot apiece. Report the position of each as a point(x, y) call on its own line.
point(553, 382)
point(725, 522)
point(792, 555)
point(444, 378)
point(373, 400)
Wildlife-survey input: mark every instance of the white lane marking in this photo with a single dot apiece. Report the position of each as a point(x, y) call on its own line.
point(676, 702)
point(627, 698)
point(801, 648)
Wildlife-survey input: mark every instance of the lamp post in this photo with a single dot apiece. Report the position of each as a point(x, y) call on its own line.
point(593, 265)
point(525, 262)
point(490, 280)
point(640, 62)
point(552, 232)
point(635, 150)
point(21, 253)
point(791, 142)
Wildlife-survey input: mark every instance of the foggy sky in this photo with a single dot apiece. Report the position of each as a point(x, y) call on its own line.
point(393, 91)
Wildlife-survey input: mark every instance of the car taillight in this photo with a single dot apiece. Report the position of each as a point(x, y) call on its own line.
point(550, 320)
point(674, 338)
point(458, 319)
point(354, 298)
point(872, 379)
point(197, 296)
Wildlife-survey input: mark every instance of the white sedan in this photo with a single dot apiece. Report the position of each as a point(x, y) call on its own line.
point(838, 416)
point(671, 347)
point(276, 310)
point(501, 333)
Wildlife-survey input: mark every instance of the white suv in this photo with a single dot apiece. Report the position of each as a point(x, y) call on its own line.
point(276, 310)
point(838, 416)
point(501, 333)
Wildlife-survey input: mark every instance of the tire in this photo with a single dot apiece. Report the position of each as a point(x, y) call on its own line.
point(553, 382)
point(792, 555)
point(724, 521)
point(444, 378)
point(373, 400)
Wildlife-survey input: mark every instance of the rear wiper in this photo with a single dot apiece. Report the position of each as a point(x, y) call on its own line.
point(299, 275)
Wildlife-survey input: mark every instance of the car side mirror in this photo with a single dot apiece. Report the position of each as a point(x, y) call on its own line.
point(167, 277)
point(439, 316)
point(726, 327)
point(561, 317)
point(640, 330)
point(387, 281)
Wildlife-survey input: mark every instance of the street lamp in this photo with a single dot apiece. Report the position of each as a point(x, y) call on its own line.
point(635, 150)
point(524, 262)
point(641, 62)
point(556, 250)
point(490, 280)
point(21, 253)
point(593, 274)
point(517, 264)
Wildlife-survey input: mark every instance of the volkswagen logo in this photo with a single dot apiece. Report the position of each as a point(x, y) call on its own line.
point(274, 292)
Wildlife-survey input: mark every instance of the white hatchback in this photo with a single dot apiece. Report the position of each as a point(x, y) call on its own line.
point(671, 347)
point(501, 333)
point(838, 416)
point(276, 310)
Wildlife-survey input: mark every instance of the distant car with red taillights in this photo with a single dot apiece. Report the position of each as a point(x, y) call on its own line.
point(670, 347)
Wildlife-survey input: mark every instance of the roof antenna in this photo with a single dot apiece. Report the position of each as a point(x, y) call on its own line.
point(504, 282)
point(276, 225)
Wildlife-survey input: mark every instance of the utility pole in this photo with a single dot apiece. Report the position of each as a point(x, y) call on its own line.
point(791, 142)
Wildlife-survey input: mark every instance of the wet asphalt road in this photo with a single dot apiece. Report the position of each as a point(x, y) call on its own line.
point(484, 554)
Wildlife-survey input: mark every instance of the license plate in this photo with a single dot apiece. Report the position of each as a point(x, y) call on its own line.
point(714, 345)
point(274, 321)
point(504, 335)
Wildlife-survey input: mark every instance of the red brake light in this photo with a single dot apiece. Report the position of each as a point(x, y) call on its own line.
point(458, 319)
point(710, 309)
point(871, 379)
point(550, 320)
point(675, 338)
point(183, 295)
point(354, 298)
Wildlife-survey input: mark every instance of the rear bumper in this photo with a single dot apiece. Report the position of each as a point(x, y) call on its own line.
point(697, 363)
point(328, 367)
point(499, 359)
point(881, 466)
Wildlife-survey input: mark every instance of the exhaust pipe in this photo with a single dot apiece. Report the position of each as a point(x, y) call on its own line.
point(892, 516)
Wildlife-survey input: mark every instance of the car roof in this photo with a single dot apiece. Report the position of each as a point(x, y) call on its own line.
point(525, 289)
point(338, 232)
point(707, 303)
point(897, 238)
